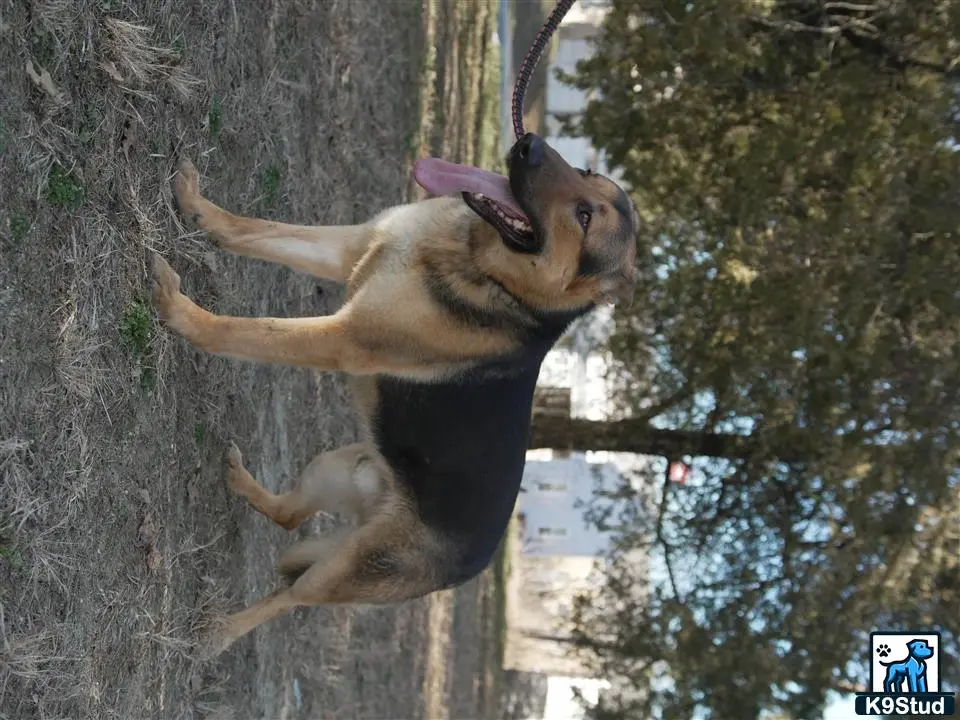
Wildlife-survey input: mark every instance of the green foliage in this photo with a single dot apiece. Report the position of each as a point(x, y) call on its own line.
point(215, 118)
point(12, 556)
point(179, 47)
point(136, 328)
point(63, 188)
point(136, 333)
point(270, 181)
point(92, 120)
point(19, 225)
point(9, 552)
point(793, 165)
point(148, 377)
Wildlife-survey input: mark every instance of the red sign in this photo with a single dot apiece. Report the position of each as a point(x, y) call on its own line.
point(678, 472)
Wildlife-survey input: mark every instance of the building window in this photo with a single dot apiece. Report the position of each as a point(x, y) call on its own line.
point(551, 487)
point(555, 532)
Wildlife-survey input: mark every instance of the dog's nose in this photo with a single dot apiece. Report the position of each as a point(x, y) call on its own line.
point(530, 149)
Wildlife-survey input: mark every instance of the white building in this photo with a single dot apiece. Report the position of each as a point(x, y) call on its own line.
point(562, 703)
point(555, 551)
point(551, 507)
point(575, 36)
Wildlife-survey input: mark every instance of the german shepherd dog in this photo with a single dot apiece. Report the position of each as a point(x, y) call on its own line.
point(452, 304)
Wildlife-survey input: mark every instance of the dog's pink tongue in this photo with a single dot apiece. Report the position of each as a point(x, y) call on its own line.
point(440, 177)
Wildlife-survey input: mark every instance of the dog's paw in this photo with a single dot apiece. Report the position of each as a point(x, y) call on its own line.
point(186, 188)
point(233, 469)
point(232, 458)
point(166, 289)
point(210, 644)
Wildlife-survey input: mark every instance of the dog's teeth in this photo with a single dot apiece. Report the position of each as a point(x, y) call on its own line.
point(520, 225)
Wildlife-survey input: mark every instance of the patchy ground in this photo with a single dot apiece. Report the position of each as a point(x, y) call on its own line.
point(118, 540)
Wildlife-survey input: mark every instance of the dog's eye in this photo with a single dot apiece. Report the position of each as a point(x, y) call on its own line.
point(583, 217)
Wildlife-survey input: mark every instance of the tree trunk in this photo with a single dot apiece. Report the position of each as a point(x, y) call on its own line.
point(529, 17)
point(634, 436)
point(570, 640)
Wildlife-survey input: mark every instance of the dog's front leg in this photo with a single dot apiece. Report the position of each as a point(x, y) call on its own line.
point(322, 251)
point(324, 343)
point(316, 342)
point(916, 681)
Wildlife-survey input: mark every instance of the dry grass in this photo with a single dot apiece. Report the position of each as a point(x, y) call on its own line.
point(38, 661)
point(132, 60)
point(118, 543)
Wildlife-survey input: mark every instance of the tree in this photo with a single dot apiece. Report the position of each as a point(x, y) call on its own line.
point(795, 166)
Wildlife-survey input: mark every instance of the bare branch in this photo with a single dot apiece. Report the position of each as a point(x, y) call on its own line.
point(863, 35)
point(793, 26)
point(851, 7)
point(667, 403)
point(664, 495)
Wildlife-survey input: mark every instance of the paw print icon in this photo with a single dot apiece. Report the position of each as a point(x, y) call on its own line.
point(883, 650)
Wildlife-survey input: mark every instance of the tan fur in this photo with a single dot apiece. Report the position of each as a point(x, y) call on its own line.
point(389, 325)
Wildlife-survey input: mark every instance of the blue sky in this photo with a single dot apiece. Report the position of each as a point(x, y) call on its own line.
point(839, 707)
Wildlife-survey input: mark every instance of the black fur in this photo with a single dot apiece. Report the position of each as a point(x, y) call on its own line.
point(458, 446)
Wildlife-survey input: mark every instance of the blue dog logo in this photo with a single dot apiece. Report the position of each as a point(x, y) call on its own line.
point(912, 669)
point(905, 677)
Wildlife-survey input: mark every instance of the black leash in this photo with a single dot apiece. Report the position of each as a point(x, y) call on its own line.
point(530, 62)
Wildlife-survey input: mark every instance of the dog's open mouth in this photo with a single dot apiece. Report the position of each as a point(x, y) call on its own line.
point(486, 193)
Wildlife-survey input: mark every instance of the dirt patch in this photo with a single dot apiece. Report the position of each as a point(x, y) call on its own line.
point(118, 540)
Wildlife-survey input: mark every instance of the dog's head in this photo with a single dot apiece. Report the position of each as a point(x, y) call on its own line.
point(579, 221)
point(920, 649)
point(571, 234)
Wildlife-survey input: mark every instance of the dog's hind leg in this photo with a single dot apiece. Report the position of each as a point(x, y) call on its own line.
point(298, 557)
point(217, 639)
point(371, 565)
point(322, 251)
point(347, 480)
point(893, 680)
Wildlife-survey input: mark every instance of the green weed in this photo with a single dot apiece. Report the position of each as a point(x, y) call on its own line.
point(215, 118)
point(271, 184)
point(136, 328)
point(19, 224)
point(63, 188)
